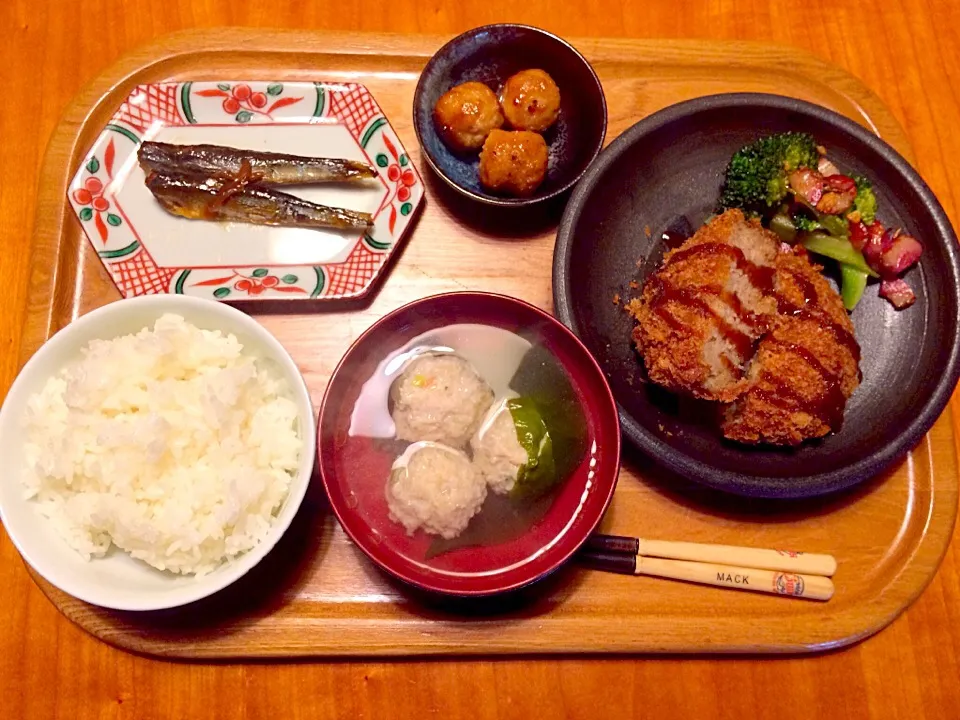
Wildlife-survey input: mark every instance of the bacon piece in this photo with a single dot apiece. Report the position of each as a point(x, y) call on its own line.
point(839, 192)
point(875, 240)
point(897, 292)
point(808, 184)
point(827, 168)
point(903, 252)
point(859, 233)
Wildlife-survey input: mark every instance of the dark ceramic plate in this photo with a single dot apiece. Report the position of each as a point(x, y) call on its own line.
point(490, 55)
point(355, 469)
point(665, 173)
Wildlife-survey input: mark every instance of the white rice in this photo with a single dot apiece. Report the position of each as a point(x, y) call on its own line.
point(172, 444)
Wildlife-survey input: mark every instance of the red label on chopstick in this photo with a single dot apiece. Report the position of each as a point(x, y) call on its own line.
point(788, 584)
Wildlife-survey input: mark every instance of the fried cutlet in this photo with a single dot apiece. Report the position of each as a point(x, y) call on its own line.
point(732, 317)
point(702, 312)
point(805, 368)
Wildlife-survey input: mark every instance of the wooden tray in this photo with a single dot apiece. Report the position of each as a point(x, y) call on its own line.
point(318, 595)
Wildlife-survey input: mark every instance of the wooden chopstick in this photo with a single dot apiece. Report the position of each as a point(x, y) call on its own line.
point(811, 587)
point(784, 560)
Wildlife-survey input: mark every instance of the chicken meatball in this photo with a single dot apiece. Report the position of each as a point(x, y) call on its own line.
point(466, 114)
point(497, 452)
point(440, 398)
point(531, 100)
point(435, 488)
point(513, 163)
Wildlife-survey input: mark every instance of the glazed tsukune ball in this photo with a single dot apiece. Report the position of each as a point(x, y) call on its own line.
point(440, 398)
point(465, 115)
point(530, 100)
point(434, 488)
point(513, 162)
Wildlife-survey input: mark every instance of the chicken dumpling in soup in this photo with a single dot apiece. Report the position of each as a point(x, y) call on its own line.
point(497, 451)
point(440, 398)
point(434, 488)
point(514, 449)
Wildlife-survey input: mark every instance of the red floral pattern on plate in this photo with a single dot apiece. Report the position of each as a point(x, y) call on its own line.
point(243, 103)
point(256, 283)
point(403, 181)
point(90, 197)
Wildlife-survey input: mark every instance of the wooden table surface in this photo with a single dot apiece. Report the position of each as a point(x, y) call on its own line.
point(908, 51)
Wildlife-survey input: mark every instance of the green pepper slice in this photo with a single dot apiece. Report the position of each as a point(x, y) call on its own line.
point(783, 226)
point(540, 472)
point(836, 226)
point(838, 249)
point(853, 281)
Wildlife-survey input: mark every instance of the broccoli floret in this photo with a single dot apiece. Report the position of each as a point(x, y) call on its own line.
point(756, 177)
point(865, 202)
point(805, 223)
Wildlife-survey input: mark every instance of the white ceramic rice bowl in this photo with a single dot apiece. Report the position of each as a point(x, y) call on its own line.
point(117, 580)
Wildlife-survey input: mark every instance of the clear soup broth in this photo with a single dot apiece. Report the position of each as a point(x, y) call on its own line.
point(499, 426)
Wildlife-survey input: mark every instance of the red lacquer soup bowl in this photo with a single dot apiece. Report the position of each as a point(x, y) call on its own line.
point(355, 468)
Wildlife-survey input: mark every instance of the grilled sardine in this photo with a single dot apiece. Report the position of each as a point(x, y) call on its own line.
point(267, 168)
point(198, 198)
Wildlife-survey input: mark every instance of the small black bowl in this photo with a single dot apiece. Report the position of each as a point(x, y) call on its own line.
point(490, 54)
point(664, 174)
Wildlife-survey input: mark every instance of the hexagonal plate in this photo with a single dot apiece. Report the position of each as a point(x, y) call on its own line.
point(146, 250)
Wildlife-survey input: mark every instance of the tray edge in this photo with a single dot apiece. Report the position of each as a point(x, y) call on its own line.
point(122, 75)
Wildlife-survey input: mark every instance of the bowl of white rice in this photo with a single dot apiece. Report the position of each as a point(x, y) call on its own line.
point(154, 451)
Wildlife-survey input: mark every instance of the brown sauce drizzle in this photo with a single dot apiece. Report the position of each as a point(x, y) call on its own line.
point(811, 310)
point(757, 323)
point(760, 277)
point(808, 289)
point(731, 367)
point(827, 405)
point(693, 298)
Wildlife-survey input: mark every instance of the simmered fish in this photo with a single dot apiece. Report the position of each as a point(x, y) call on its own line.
point(267, 168)
point(199, 198)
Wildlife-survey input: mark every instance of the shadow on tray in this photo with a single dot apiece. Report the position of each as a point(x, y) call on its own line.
point(689, 494)
point(531, 601)
point(276, 580)
point(268, 586)
point(507, 223)
point(550, 592)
